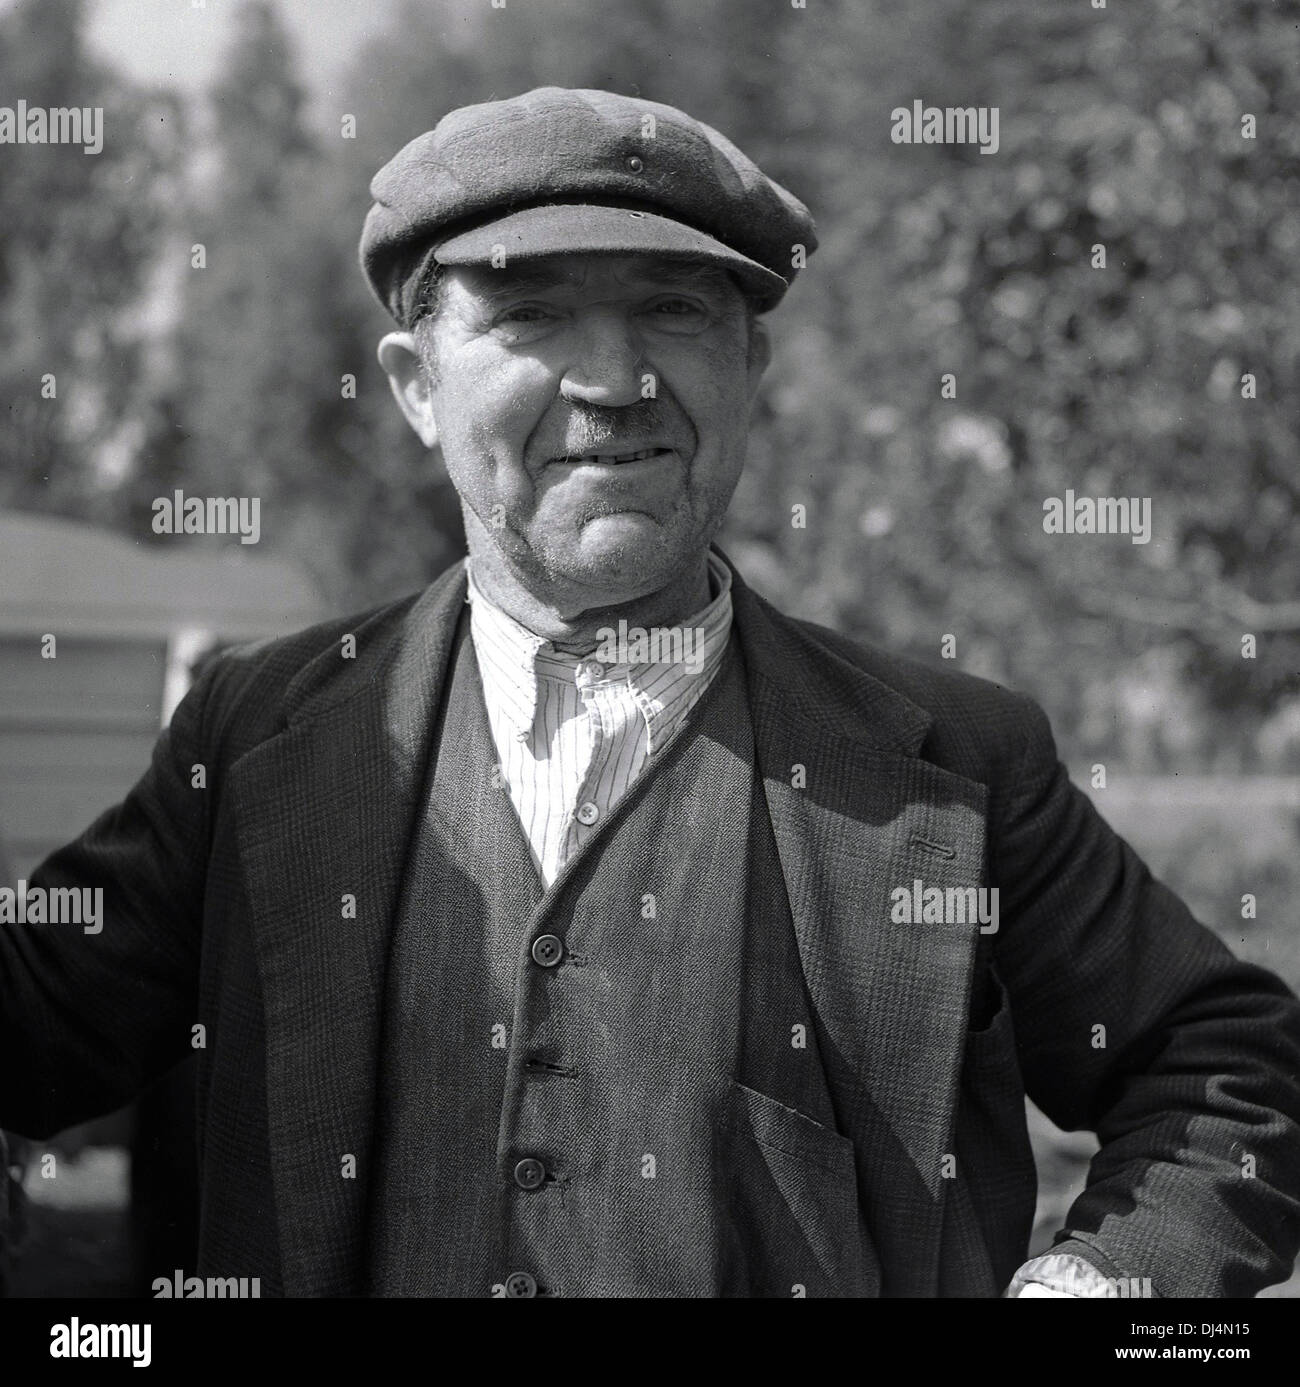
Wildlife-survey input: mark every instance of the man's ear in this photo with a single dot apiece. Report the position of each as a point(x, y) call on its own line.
point(399, 355)
point(760, 354)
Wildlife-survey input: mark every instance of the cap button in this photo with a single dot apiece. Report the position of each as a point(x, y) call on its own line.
point(635, 163)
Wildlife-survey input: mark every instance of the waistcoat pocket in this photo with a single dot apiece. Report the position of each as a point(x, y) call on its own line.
point(788, 1204)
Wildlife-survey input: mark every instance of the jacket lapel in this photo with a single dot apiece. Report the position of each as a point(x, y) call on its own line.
point(862, 817)
point(325, 811)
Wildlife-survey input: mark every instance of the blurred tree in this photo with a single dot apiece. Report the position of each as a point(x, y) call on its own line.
point(79, 238)
point(281, 397)
point(1118, 128)
point(258, 108)
point(924, 515)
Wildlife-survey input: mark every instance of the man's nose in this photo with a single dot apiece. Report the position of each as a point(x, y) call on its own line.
point(606, 367)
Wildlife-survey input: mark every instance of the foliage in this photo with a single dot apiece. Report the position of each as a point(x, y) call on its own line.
point(78, 241)
point(1119, 127)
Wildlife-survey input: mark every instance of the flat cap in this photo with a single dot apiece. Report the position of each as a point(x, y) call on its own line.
point(560, 170)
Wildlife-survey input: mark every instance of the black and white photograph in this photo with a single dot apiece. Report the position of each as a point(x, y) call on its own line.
point(650, 650)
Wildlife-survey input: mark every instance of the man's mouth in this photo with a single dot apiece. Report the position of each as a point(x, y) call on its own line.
point(640, 455)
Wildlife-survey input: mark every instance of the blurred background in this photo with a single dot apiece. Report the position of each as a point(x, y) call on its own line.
point(194, 291)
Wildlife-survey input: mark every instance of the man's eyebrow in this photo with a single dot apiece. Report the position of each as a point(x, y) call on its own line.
point(494, 285)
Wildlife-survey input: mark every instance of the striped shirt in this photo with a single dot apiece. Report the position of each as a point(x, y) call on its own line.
point(572, 732)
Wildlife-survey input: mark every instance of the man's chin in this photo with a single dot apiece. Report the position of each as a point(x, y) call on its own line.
point(622, 556)
point(635, 532)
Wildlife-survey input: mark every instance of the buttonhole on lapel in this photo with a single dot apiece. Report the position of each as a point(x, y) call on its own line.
point(940, 849)
point(543, 1067)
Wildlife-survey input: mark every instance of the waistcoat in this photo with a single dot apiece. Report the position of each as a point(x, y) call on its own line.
point(611, 1087)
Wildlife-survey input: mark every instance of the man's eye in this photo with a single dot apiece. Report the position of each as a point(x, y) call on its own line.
point(673, 313)
point(525, 313)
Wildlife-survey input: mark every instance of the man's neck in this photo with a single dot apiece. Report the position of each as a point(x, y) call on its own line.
point(577, 632)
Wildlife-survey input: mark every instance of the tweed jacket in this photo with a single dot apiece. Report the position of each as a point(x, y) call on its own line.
point(252, 875)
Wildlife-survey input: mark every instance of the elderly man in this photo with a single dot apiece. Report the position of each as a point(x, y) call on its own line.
point(585, 927)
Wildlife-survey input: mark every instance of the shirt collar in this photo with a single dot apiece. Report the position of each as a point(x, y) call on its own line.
point(514, 660)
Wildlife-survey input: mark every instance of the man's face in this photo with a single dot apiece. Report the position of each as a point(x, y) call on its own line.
point(593, 412)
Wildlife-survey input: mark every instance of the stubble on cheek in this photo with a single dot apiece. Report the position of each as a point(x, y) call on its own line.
point(485, 462)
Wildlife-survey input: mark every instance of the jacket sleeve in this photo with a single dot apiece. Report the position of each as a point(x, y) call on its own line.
point(1134, 1021)
point(88, 1019)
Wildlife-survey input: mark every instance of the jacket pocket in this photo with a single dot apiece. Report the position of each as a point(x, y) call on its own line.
point(990, 1016)
point(788, 1200)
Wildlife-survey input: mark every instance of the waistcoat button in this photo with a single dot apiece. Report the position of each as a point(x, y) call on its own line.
point(530, 1174)
point(520, 1286)
point(547, 950)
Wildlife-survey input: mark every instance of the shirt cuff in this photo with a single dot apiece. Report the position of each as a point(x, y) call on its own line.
point(1060, 1274)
